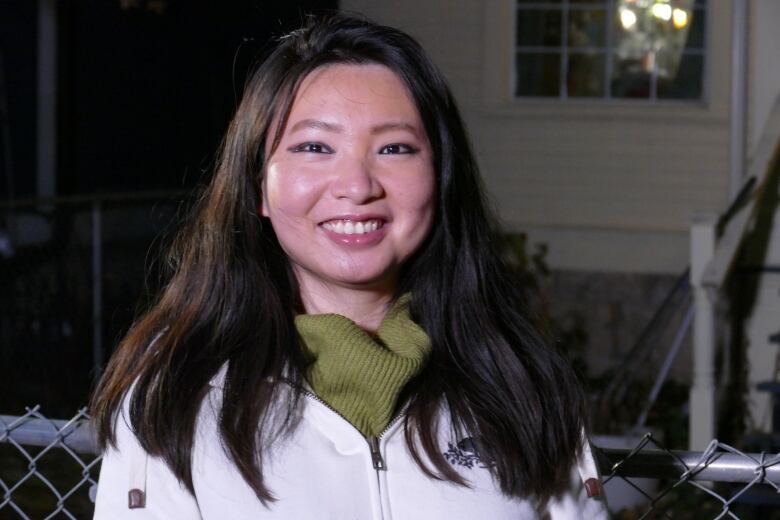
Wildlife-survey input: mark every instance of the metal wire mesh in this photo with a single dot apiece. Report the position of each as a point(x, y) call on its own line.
point(49, 469)
point(720, 482)
point(72, 273)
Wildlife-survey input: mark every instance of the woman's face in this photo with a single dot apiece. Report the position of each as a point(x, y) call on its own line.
point(350, 189)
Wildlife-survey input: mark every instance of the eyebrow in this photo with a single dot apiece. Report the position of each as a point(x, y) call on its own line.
point(318, 124)
point(387, 127)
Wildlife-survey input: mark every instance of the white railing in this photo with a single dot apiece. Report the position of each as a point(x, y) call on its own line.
point(715, 244)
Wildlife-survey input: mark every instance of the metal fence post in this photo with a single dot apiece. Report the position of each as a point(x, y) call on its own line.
point(97, 287)
point(702, 396)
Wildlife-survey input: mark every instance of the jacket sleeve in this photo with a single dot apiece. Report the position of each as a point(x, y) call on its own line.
point(585, 498)
point(129, 476)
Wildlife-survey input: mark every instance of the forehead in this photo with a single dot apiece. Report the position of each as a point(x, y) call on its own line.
point(362, 91)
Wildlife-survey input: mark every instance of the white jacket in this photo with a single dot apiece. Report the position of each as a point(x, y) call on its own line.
point(326, 470)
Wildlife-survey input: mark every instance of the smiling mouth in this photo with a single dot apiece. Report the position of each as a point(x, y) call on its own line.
point(351, 227)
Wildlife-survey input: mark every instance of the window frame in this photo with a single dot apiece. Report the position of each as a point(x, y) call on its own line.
point(607, 51)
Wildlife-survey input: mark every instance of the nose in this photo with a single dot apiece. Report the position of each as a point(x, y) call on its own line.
point(356, 180)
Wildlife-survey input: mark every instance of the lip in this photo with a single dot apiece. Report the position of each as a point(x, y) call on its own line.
point(362, 240)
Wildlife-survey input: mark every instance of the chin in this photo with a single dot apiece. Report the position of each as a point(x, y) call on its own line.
point(367, 280)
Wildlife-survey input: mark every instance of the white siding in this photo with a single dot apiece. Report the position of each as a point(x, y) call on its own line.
point(764, 79)
point(582, 175)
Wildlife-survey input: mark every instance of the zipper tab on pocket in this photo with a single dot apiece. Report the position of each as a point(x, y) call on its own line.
point(376, 455)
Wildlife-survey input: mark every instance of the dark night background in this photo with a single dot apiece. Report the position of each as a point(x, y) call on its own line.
point(145, 90)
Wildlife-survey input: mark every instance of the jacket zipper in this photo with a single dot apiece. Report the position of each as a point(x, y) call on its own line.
point(373, 441)
point(377, 460)
point(376, 455)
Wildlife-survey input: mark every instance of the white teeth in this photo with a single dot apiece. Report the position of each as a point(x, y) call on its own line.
point(348, 227)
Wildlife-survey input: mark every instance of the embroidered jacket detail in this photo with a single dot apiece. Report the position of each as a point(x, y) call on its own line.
point(464, 454)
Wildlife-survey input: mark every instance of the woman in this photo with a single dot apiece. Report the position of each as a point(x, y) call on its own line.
point(339, 338)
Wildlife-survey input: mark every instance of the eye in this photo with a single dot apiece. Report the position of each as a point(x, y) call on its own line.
point(311, 148)
point(397, 148)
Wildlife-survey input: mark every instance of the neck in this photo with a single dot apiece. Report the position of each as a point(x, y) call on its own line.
point(365, 306)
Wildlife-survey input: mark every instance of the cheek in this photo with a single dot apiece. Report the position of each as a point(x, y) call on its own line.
point(420, 196)
point(415, 201)
point(287, 194)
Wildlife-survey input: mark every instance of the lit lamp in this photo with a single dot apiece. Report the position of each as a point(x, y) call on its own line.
point(662, 11)
point(679, 18)
point(653, 36)
point(627, 19)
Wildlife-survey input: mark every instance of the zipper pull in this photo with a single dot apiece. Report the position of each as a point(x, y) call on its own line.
point(376, 455)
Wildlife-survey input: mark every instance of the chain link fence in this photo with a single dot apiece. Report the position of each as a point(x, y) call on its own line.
point(64, 263)
point(720, 482)
point(72, 271)
point(50, 467)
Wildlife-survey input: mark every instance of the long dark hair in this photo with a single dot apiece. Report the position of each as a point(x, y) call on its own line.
point(231, 300)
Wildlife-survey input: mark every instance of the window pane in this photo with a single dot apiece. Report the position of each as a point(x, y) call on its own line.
point(587, 28)
point(643, 28)
point(686, 83)
point(696, 31)
point(655, 47)
point(539, 28)
point(630, 78)
point(586, 75)
point(650, 37)
point(538, 74)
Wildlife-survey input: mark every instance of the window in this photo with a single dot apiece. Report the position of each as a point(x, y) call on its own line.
point(648, 50)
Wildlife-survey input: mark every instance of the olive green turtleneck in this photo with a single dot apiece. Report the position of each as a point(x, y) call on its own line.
point(358, 375)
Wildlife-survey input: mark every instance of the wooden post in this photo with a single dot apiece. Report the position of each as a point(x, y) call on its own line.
point(702, 396)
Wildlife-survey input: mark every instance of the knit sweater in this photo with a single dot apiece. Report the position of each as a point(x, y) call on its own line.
point(358, 375)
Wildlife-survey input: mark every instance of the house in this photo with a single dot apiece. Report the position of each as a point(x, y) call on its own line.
point(604, 128)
